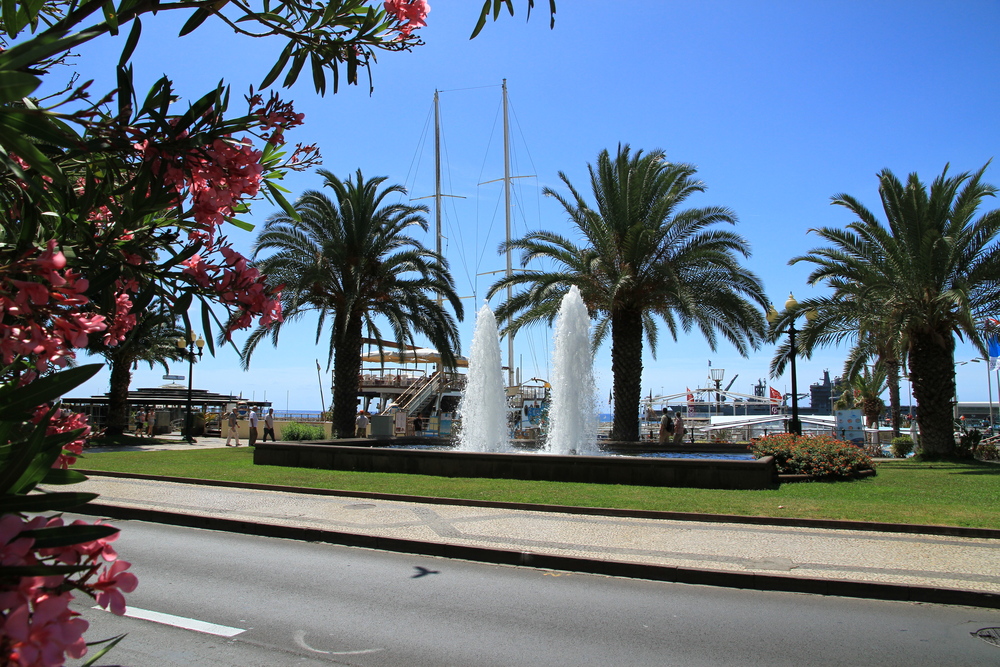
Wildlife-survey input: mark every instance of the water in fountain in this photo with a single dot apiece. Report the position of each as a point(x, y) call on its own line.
point(484, 401)
point(573, 412)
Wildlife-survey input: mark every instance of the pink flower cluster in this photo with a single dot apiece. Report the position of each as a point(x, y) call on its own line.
point(411, 13)
point(237, 283)
point(216, 178)
point(40, 310)
point(275, 115)
point(37, 628)
point(63, 422)
point(124, 319)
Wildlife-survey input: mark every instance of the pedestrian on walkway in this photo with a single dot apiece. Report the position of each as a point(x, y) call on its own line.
point(679, 429)
point(253, 426)
point(140, 424)
point(666, 427)
point(418, 425)
point(234, 428)
point(269, 425)
point(150, 421)
point(362, 424)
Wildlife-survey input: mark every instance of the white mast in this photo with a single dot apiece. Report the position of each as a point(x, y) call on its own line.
point(506, 202)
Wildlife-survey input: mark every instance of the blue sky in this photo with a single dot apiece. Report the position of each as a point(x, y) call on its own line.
point(779, 104)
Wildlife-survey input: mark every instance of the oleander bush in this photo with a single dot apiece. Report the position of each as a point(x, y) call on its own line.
point(297, 431)
point(902, 446)
point(821, 456)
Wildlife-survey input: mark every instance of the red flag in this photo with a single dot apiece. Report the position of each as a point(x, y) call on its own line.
point(775, 400)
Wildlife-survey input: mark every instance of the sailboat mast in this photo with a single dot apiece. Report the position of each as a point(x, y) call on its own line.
point(437, 202)
point(506, 201)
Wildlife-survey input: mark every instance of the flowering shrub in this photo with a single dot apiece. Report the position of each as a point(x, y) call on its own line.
point(297, 431)
point(821, 456)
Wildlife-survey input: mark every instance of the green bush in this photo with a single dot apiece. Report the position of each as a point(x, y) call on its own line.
point(901, 446)
point(297, 431)
point(821, 455)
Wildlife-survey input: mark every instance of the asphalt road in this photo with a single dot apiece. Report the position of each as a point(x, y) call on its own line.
point(280, 602)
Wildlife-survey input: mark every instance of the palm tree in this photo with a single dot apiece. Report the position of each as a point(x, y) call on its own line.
point(929, 275)
point(643, 259)
point(153, 341)
point(349, 259)
point(868, 386)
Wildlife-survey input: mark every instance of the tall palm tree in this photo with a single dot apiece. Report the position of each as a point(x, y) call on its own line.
point(643, 259)
point(868, 386)
point(153, 340)
point(930, 273)
point(350, 259)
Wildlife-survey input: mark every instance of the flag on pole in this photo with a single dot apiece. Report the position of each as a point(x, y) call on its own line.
point(994, 348)
point(775, 400)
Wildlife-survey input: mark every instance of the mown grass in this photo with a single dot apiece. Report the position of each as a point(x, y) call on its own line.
point(956, 494)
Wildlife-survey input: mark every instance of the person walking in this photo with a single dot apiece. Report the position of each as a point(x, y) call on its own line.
point(269, 425)
point(140, 425)
point(679, 429)
point(418, 425)
point(362, 424)
point(234, 428)
point(253, 426)
point(666, 427)
point(150, 421)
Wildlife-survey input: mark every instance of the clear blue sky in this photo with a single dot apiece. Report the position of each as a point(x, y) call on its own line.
point(780, 105)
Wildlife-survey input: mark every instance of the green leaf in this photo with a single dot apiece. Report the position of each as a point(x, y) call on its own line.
point(18, 400)
point(206, 325)
point(112, 642)
point(278, 66)
point(63, 536)
point(17, 85)
point(59, 476)
point(110, 17)
point(196, 20)
point(130, 43)
point(44, 502)
point(319, 75)
point(242, 224)
point(275, 193)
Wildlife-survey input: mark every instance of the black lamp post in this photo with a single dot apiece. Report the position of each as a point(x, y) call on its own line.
point(794, 424)
point(189, 348)
point(717, 374)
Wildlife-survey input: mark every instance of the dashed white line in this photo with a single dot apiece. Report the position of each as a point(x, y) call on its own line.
point(182, 622)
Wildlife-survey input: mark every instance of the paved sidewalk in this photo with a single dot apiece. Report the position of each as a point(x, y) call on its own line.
point(855, 563)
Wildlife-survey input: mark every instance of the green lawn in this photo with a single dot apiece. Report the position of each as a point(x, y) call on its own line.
point(956, 494)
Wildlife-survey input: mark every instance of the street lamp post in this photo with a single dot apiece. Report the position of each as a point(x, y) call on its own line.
point(189, 349)
point(717, 375)
point(794, 424)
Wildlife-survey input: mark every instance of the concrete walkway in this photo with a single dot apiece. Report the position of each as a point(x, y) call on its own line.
point(958, 568)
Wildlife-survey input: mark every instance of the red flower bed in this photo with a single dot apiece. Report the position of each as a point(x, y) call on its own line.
point(820, 456)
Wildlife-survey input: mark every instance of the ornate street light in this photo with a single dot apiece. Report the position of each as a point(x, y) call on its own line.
point(717, 374)
point(189, 349)
point(794, 424)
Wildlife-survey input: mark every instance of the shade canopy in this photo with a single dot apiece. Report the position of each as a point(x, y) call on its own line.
point(421, 355)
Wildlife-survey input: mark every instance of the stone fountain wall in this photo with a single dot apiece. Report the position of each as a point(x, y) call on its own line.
point(692, 473)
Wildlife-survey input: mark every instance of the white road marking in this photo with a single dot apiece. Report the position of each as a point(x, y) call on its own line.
point(300, 639)
point(182, 622)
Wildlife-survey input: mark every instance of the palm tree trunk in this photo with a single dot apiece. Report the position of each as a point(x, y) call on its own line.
point(121, 378)
point(892, 371)
point(346, 368)
point(932, 367)
point(626, 369)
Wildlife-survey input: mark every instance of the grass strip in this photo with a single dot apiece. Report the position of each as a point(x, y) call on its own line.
point(950, 494)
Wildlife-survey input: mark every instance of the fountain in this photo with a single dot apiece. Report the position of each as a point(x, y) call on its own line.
point(484, 449)
point(573, 413)
point(484, 403)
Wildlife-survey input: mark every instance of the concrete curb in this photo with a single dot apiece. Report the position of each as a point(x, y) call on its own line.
point(839, 524)
point(611, 568)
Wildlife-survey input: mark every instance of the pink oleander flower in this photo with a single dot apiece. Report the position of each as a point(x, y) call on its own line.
point(42, 635)
point(412, 13)
point(111, 583)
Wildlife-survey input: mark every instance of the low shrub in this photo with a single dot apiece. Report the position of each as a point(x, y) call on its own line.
point(821, 456)
point(902, 446)
point(297, 431)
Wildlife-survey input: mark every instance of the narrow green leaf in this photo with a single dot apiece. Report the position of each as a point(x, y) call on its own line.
point(279, 66)
point(242, 224)
point(196, 20)
point(482, 19)
point(44, 502)
point(130, 43)
point(59, 476)
point(17, 401)
point(110, 17)
point(61, 536)
point(16, 85)
point(319, 75)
